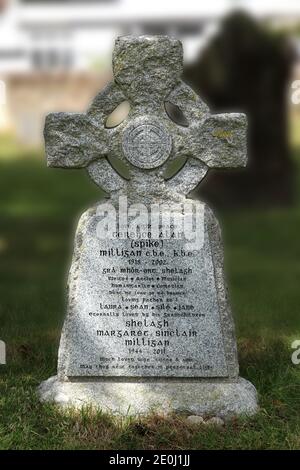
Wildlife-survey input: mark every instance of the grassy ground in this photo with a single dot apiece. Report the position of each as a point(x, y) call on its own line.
point(39, 208)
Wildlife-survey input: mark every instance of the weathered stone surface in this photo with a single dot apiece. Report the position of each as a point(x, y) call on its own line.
point(148, 322)
point(211, 141)
point(195, 420)
point(175, 322)
point(138, 397)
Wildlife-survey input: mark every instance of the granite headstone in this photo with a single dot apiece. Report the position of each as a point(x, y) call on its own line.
point(148, 324)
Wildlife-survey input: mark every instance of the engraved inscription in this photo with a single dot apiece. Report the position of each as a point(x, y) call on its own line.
point(149, 314)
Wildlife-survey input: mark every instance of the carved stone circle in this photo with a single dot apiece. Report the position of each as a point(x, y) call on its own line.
point(146, 143)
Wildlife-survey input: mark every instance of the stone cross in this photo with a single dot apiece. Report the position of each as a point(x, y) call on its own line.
point(148, 324)
point(147, 74)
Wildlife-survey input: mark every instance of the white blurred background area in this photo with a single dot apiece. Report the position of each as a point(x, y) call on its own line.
point(56, 55)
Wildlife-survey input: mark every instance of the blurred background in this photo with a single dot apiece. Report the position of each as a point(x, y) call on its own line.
point(240, 56)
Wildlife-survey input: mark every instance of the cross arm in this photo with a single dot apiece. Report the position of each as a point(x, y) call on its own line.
point(221, 140)
point(73, 140)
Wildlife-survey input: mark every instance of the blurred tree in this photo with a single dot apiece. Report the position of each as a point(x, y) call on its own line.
point(247, 68)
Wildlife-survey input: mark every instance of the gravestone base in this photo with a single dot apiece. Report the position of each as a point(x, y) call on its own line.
point(225, 399)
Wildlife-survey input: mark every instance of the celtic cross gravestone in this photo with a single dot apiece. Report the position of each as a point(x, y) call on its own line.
point(148, 324)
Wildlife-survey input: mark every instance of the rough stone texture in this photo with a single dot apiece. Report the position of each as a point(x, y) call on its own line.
point(181, 362)
point(210, 141)
point(195, 420)
point(203, 334)
point(222, 399)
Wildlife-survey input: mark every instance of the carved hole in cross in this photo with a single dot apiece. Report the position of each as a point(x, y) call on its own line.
point(118, 115)
point(120, 167)
point(174, 166)
point(175, 114)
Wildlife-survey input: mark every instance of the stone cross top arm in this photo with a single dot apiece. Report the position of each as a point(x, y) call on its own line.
point(147, 71)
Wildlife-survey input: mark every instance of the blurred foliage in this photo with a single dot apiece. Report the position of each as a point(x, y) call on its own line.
point(246, 68)
point(10, 149)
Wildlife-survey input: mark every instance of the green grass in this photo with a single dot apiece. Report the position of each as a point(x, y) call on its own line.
point(39, 208)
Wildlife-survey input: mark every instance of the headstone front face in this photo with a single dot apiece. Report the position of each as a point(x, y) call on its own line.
point(148, 322)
